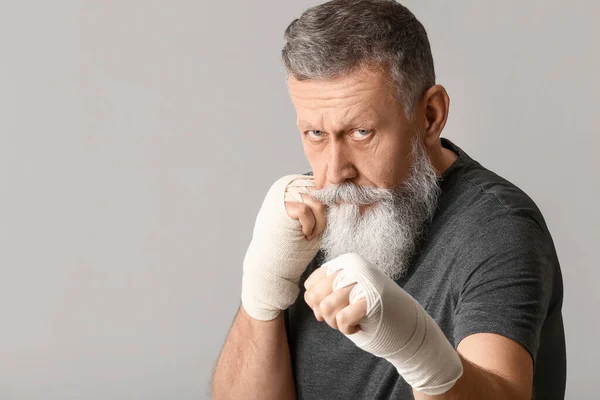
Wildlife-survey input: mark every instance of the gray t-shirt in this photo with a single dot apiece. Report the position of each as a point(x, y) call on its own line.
point(487, 264)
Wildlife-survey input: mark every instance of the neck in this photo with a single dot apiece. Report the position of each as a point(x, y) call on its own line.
point(441, 158)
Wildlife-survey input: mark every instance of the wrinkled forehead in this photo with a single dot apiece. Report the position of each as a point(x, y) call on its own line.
point(360, 82)
point(359, 98)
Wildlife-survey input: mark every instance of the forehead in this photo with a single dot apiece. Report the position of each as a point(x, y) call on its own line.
point(365, 87)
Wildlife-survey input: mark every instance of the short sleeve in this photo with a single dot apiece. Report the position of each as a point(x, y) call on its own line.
point(505, 278)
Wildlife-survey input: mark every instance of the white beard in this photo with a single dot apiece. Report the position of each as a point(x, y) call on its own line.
point(388, 231)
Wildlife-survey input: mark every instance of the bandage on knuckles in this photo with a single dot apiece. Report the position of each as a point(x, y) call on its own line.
point(300, 185)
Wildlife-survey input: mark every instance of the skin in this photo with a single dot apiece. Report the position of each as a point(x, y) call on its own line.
point(353, 129)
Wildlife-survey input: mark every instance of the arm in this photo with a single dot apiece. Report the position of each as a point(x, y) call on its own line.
point(486, 365)
point(502, 301)
point(494, 367)
point(255, 361)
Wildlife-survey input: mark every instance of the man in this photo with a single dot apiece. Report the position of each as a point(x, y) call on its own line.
point(400, 267)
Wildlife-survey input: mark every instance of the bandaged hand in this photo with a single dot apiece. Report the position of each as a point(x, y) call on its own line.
point(285, 239)
point(354, 296)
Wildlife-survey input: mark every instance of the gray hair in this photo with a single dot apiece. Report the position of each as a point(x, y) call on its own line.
point(335, 38)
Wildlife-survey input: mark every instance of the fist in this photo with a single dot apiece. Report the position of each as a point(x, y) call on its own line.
point(284, 241)
point(333, 306)
point(373, 311)
point(300, 206)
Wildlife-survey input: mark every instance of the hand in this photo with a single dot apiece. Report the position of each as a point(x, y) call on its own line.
point(333, 306)
point(280, 251)
point(375, 313)
point(300, 206)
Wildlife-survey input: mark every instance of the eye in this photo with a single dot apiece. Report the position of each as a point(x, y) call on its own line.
point(314, 134)
point(361, 134)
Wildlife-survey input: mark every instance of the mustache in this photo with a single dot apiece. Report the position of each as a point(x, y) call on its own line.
point(351, 193)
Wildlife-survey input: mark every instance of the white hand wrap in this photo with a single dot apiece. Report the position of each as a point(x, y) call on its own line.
point(278, 253)
point(397, 327)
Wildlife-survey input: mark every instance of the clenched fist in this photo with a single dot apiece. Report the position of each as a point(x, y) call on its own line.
point(355, 296)
point(285, 239)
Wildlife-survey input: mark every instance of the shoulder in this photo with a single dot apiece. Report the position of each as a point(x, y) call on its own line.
point(492, 225)
point(472, 192)
point(479, 202)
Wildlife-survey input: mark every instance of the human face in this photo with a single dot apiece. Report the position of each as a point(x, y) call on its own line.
point(353, 129)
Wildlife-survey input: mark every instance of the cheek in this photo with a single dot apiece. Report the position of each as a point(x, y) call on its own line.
point(401, 165)
point(317, 165)
point(388, 165)
point(378, 170)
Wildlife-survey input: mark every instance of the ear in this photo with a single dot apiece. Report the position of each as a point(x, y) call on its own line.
point(436, 103)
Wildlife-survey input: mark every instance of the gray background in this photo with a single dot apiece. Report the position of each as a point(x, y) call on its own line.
point(137, 139)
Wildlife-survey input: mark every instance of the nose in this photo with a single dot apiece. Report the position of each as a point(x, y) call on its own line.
point(339, 166)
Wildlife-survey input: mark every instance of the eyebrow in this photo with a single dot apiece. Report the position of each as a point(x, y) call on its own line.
point(356, 122)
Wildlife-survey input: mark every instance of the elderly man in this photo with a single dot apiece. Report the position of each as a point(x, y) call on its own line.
point(399, 266)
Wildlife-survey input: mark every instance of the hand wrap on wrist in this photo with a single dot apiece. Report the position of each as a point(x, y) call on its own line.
point(278, 253)
point(397, 327)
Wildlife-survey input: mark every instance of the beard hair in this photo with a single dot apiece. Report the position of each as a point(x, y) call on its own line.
point(388, 231)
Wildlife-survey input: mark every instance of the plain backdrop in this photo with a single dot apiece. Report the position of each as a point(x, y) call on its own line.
point(138, 138)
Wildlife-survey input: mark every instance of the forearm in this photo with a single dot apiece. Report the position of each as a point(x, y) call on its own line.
point(477, 383)
point(255, 361)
